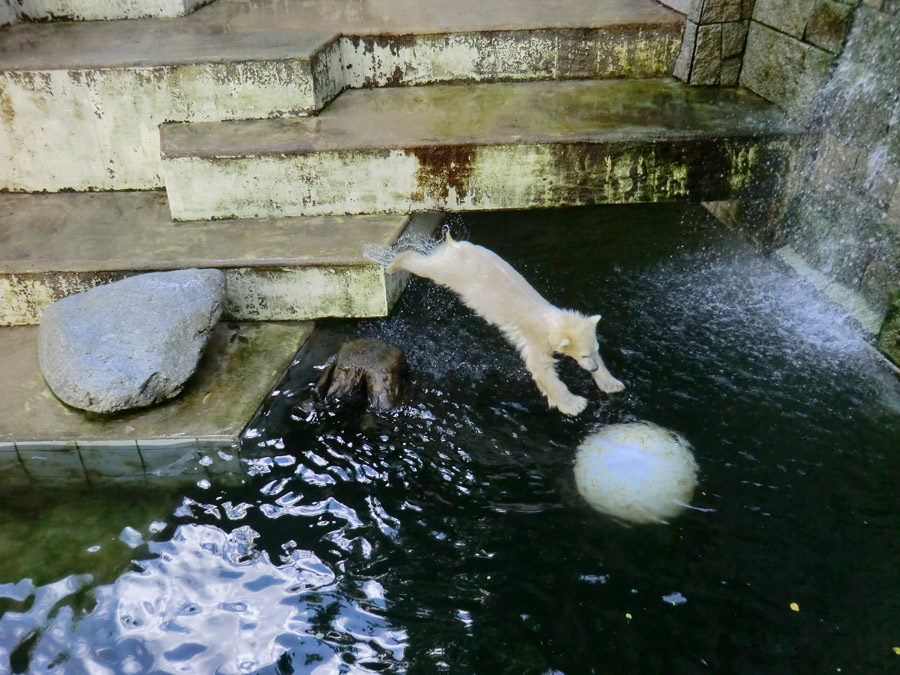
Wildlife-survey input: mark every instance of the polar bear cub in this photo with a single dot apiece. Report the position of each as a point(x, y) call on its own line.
point(501, 296)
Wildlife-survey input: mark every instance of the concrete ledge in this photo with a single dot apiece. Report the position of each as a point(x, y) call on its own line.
point(497, 146)
point(192, 437)
point(616, 52)
point(97, 129)
point(277, 269)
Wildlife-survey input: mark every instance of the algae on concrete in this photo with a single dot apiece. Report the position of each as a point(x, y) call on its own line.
point(498, 146)
point(889, 335)
point(46, 535)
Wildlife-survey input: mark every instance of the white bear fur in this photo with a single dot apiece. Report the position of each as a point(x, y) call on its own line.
point(501, 296)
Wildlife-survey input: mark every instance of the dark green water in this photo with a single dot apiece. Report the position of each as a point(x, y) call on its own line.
point(447, 536)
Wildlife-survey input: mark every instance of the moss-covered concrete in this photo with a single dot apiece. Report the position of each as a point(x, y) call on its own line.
point(46, 442)
point(498, 146)
point(889, 335)
point(48, 534)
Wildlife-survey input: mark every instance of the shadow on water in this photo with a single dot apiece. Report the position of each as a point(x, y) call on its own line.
point(447, 536)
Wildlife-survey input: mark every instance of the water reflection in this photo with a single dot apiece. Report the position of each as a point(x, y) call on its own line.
point(208, 601)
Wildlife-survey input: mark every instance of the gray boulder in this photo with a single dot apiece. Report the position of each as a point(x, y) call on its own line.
point(131, 343)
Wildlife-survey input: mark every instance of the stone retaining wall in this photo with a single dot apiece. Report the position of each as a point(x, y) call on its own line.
point(714, 36)
point(791, 47)
point(782, 49)
point(835, 66)
point(845, 220)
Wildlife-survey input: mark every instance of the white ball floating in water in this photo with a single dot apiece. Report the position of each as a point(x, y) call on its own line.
point(640, 472)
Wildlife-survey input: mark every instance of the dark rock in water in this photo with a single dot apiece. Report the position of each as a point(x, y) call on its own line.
point(889, 336)
point(131, 343)
point(366, 364)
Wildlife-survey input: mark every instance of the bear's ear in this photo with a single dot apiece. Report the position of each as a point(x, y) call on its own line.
point(595, 318)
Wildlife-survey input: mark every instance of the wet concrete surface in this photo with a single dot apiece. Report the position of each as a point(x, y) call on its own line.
point(497, 113)
point(278, 269)
point(484, 147)
point(134, 231)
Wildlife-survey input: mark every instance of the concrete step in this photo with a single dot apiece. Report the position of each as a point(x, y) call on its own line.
point(496, 146)
point(81, 102)
point(53, 245)
point(190, 438)
point(97, 10)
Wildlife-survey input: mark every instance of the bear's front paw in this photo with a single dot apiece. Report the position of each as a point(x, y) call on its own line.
point(609, 384)
point(572, 405)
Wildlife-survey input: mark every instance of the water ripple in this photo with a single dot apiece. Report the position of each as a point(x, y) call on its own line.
point(209, 603)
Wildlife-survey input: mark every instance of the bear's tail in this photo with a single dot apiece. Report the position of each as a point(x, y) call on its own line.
point(445, 235)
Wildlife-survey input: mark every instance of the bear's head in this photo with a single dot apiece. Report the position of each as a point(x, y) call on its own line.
point(575, 336)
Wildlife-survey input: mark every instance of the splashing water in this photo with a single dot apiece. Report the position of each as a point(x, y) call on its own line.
point(421, 242)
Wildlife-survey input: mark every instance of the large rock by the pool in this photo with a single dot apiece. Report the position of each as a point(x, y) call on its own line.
point(639, 472)
point(131, 343)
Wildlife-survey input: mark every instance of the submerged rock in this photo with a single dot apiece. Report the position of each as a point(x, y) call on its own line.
point(639, 473)
point(366, 364)
point(131, 343)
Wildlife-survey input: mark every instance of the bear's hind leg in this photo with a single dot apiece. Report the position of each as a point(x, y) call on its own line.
point(407, 260)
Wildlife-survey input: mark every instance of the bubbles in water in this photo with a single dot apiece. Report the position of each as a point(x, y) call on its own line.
point(674, 598)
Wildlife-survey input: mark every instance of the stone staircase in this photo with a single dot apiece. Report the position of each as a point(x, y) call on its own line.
point(286, 135)
point(95, 93)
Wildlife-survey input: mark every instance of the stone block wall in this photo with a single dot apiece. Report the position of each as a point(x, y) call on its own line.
point(791, 47)
point(782, 49)
point(715, 32)
point(835, 66)
point(845, 219)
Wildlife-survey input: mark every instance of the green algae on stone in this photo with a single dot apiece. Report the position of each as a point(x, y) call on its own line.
point(889, 335)
point(483, 147)
point(47, 535)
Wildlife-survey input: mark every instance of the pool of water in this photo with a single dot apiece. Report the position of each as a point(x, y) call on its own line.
point(447, 536)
